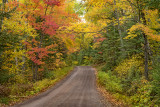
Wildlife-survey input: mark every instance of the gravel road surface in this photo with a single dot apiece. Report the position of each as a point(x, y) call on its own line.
point(77, 90)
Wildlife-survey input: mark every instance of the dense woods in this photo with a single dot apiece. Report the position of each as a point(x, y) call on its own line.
point(41, 40)
point(128, 48)
point(31, 49)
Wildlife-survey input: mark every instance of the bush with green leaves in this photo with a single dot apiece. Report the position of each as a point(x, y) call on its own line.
point(110, 82)
point(156, 80)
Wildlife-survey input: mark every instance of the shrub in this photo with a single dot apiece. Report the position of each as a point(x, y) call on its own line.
point(156, 82)
point(4, 77)
point(111, 82)
point(140, 93)
point(20, 89)
point(132, 65)
point(127, 84)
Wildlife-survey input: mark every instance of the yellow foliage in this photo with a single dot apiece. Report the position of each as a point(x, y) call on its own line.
point(13, 60)
point(17, 24)
point(99, 13)
point(152, 17)
point(85, 33)
point(145, 29)
point(124, 68)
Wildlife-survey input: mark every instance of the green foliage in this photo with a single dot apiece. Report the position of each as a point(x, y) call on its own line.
point(87, 60)
point(4, 100)
point(110, 49)
point(40, 85)
point(71, 59)
point(142, 94)
point(137, 93)
point(79, 8)
point(112, 52)
point(62, 72)
point(85, 56)
point(48, 74)
point(127, 83)
point(5, 77)
point(156, 80)
point(110, 82)
point(153, 4)
point(123, 59)
point(22, 30)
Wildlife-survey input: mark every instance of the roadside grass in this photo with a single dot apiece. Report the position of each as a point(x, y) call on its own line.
point(20, 92)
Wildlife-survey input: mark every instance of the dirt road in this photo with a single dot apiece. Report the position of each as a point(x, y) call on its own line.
point(77, 90)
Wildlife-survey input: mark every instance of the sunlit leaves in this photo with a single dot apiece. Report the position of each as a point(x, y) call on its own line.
point(135, 62)
point(85, 33)
point(134, 31)
point(18, 25)
point(152, 18)
point(13, 56)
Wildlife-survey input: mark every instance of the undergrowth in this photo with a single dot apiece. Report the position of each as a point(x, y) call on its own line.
point(127, 84)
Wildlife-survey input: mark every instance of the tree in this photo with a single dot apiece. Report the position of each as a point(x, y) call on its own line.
point(146, 31)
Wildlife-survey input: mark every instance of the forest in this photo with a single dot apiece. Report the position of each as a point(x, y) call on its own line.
point(41, 41)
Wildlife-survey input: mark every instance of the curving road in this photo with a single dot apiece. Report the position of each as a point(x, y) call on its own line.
point(77, 90)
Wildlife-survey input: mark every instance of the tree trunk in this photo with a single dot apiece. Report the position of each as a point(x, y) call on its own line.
point(33, 71)
point(36, 72)
point(41, 41)
point(24, 65)
point(1, 22)
point(146, 56)
point(146, 49)
point(16, 60)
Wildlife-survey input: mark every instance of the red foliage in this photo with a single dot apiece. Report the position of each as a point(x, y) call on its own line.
point(41, 16)
point(37, 17)
point(49, 26)
point(100, 52)
point(100, 39)
point(37, 54)
point(52, 2)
